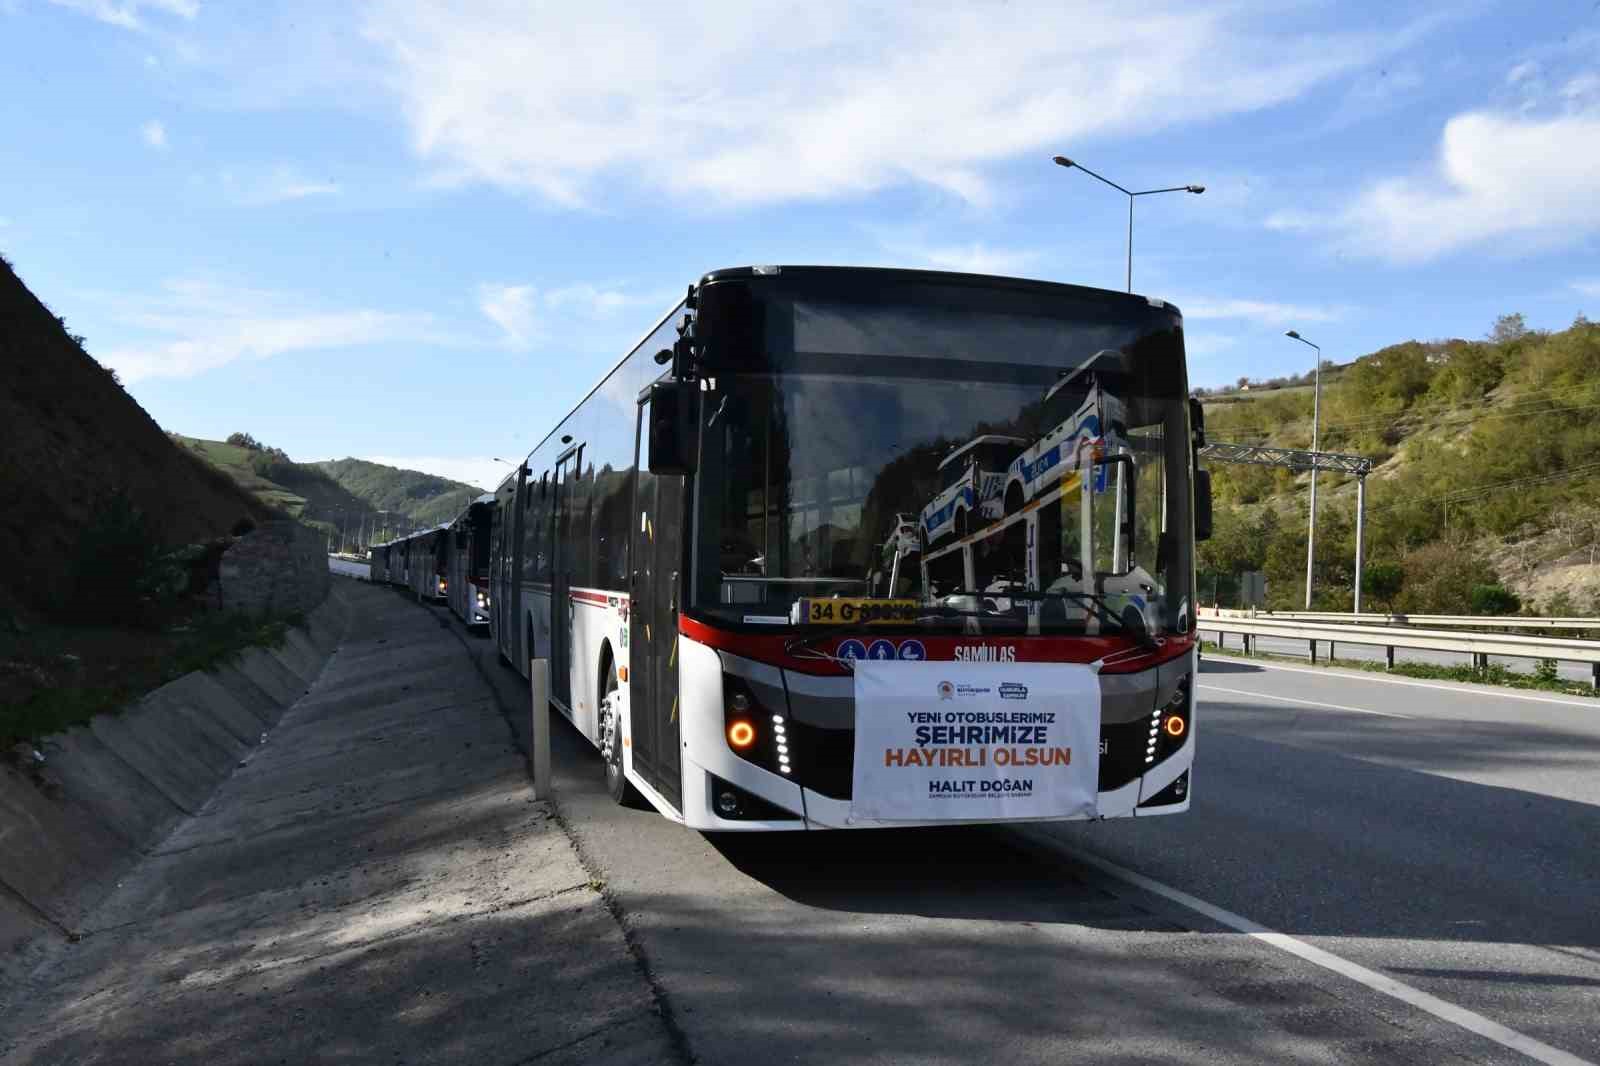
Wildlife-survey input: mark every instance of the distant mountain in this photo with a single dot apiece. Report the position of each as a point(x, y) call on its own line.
point(425, 498)
point(345, 498)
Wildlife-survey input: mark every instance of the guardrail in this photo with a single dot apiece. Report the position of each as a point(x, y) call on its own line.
point(1478, 645)
point(1441, 621)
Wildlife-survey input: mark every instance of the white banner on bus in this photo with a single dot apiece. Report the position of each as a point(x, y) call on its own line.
point(955, 741)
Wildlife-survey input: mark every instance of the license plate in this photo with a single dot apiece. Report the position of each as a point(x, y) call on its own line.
point(853, 611)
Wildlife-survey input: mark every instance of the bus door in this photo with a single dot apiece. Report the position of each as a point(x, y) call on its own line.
point(654, 562)
point(561, 583)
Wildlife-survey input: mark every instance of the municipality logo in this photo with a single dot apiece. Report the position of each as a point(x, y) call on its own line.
point(947, 691)
point(1010, 690)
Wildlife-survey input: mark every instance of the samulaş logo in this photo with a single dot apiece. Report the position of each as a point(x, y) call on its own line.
point(946, 690)
point(1010, 690)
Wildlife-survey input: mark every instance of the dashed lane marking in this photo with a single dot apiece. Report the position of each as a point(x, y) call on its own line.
point(1308, 703)
point(1444, 1010)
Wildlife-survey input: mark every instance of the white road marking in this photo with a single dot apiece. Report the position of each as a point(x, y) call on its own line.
point(1382, 983)
point(1470, 690)
point(1308, 703)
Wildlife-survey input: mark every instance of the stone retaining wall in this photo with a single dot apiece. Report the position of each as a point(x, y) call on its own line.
point(279, 568)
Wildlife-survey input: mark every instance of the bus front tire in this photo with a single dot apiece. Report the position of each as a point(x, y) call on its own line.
point(617, 786)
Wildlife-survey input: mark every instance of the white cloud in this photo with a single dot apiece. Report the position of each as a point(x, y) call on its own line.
point(478, 470)
point(1522, 72)
point(280, 184)
point(1587, 287)
point(154, 134)
point(127, 13)
point(521, 311)
point(979, 258)
point(195, 326)
point(755, 102)
point(1264, 312)
point(1505, 182)
point(511, 308)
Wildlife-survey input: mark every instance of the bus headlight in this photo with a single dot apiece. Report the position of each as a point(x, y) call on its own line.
point(1169, 723)
point(756, 732)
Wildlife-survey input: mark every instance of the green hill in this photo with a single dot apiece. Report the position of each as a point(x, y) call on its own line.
point(425, 498)
point(1488, 474)
point(344, 498)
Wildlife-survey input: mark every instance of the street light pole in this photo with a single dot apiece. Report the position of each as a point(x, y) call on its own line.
point(1063, 161)
point(1316, 420)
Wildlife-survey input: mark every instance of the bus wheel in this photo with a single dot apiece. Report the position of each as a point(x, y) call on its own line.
point(611, 741)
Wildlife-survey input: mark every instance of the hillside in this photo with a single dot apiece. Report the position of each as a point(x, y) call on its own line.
point(344, 497)
point(425, 498)
point(77, 445)
point(1488, 474)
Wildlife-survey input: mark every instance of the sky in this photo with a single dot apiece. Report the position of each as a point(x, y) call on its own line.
point(418, 233)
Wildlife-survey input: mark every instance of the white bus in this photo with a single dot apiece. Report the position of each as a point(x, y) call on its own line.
point(720, 552)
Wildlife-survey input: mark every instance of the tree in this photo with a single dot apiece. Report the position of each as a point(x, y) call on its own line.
point(244, 440)
point(1383, 582)
point(1512, 327)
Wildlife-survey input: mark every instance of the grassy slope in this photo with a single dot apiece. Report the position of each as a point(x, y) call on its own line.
point(71, 437)
point(344, 491)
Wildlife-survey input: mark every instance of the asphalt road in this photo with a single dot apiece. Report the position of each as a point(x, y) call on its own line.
point(1579, 672)
point(1441, 836)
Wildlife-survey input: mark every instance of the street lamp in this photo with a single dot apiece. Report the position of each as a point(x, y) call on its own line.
point(1316, 416)
point(1063, 161)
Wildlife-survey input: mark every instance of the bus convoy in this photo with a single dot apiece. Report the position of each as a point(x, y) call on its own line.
point(846, 547)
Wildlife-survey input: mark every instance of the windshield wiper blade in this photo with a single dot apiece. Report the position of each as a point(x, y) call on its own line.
point(1096, 602)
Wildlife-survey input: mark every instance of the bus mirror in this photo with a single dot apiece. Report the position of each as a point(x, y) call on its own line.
point(1197, 422)
point(1202, 505)
point(671, 448)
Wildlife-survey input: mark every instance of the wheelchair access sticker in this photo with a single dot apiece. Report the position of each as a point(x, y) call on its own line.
point(882, 650)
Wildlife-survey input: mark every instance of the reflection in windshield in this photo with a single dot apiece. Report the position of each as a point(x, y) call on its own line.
point(1037, 492)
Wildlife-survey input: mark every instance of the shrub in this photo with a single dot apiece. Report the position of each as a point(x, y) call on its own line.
point(1383, 582)
point(1494, 599)
point(118, 550)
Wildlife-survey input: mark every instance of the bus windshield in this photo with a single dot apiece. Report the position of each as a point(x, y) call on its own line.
point(1002, 471)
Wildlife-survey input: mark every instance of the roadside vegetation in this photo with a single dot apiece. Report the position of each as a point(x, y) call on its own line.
point(1486, 497)
point(137, 614)
point(1544, 677)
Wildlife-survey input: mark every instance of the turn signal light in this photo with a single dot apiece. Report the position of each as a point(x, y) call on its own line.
point(741, 734)
point(1174, 726)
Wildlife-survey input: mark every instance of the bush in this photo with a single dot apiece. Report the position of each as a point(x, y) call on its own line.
point(1494, 599)
point(118, 551)
point(1383, 582)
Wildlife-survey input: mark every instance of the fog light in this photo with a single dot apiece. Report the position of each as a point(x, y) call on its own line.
point(727, 804)
point(1175, 726)
point(740, 702)
point(741, 735)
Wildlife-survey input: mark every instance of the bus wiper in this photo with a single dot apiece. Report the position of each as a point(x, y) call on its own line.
point(1096, 603)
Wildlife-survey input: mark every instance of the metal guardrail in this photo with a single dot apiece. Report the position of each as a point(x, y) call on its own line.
point(1478, 645)
point(1442, 621)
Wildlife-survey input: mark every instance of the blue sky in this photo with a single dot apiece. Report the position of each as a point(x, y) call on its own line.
point(381, 230)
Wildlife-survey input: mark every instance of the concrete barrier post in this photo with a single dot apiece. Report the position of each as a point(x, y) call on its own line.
point(539, 752)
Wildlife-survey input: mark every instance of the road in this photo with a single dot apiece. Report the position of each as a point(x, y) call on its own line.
point(1577, 672)
point(1441, 836)
point(349, 568)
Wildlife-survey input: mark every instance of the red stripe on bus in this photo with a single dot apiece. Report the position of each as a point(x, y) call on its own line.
point(590, 597)
point(770, 648)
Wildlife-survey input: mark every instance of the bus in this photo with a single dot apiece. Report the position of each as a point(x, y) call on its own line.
point(466, 575)
point(724, 553)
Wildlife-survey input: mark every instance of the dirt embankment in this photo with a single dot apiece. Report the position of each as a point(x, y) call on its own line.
point(72, 435)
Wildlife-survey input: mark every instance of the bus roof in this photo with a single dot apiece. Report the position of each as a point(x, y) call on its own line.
point(866, 276)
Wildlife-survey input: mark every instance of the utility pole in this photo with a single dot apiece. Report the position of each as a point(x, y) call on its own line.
point(1316, 421)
